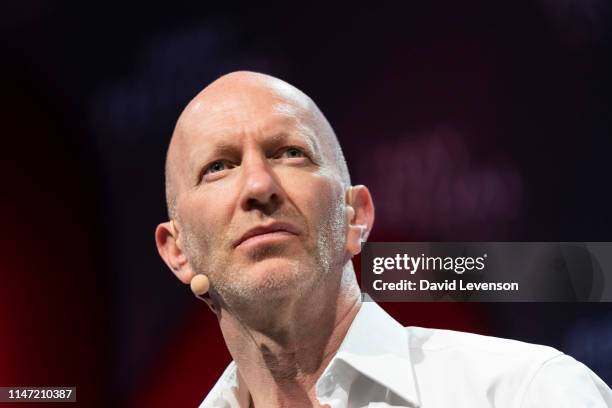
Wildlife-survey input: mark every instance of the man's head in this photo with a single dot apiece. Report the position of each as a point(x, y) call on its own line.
point(258, 192)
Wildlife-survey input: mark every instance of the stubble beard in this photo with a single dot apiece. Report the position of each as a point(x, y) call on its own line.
point(304, 276)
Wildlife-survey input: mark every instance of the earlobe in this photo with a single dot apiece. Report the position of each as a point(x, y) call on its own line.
point(166, 239)
point(169, 248)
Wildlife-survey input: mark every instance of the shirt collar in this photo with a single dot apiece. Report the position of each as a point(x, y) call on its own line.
point(376, 346)
point(229, 392)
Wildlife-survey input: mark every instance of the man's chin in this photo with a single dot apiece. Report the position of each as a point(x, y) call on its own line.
point(270, 279)
point(273, 274)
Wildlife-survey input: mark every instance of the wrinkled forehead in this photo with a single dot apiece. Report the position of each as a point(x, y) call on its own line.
point(233, 114)
point(227, 112)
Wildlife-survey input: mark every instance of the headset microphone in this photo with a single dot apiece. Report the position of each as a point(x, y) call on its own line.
point(200, 285)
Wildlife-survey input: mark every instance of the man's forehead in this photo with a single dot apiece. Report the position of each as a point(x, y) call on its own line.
point(244, 102)
point(245, 91)
point(230, 105)
point(209, 130)
point(234, 118)
point(267, 132)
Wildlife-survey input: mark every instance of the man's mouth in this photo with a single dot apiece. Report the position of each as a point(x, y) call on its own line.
point(267, 233)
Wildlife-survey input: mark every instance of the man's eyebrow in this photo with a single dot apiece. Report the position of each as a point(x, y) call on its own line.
point(201, 156)
point(217, 149)
point(304, 135)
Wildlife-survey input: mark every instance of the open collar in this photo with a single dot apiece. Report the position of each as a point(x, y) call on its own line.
point(377, 347)
point(229, 392)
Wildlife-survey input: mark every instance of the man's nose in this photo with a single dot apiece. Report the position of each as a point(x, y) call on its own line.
point(261, 189)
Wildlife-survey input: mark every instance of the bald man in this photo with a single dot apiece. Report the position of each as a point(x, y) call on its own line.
point(264, 223)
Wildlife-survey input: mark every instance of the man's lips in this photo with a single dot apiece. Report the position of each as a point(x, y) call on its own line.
point(275, 228)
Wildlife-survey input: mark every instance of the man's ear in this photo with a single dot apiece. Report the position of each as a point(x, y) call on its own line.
point(169, 248)
point(360, 215)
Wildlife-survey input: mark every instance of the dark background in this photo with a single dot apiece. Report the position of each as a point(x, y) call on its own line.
point(480, 121)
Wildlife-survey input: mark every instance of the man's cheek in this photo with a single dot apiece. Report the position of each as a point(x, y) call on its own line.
point(200, 242)
point(326, 203)
point(317, 192)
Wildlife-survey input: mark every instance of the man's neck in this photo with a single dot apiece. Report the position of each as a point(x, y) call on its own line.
point(281, 365)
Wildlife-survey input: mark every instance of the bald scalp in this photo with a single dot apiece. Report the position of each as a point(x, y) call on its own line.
point(236, 85)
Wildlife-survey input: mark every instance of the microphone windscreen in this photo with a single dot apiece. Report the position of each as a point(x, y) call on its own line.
point(200, 284)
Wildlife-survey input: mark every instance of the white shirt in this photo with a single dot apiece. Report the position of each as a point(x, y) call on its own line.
point(382, 364)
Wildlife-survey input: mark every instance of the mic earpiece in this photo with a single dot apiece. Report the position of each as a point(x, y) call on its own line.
point(200, 285)
point(350, 213)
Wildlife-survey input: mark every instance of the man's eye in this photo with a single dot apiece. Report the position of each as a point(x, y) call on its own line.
point(215, 167)
point(216, 170)
point(293, 153)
